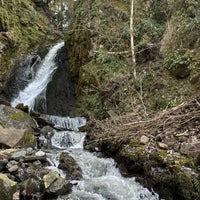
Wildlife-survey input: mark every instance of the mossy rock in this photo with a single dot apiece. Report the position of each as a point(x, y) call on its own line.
point(7, 187)
point(14, 118)
point(23, 27)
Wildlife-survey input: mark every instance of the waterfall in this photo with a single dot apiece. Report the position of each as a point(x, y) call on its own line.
point(101, 178)
point(42, 77)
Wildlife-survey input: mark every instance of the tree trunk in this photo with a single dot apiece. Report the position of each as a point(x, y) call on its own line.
point(132, 39)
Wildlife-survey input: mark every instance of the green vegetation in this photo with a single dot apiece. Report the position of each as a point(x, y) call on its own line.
point(23, 27)
point(167, 55)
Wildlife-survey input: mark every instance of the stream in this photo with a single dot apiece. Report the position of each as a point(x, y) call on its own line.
point(101, 178)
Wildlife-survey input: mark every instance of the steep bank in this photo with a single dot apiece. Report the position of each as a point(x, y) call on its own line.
point(25, 25)
point(98, 37)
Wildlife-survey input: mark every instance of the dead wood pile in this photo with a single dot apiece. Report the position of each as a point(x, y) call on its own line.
point(182, 120)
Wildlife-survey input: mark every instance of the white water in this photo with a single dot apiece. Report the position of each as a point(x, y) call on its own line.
point(101, 179)
point(66, 122)
point(42, 78)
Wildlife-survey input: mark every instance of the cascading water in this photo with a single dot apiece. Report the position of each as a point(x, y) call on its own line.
point(101, 179)
point(38, 85)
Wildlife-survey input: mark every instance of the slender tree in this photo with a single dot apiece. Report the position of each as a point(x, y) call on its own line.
point(132, 39)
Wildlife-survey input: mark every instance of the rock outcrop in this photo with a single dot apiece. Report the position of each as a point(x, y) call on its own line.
point(24, 26)
point(16, 127)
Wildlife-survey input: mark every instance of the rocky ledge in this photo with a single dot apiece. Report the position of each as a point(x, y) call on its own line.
point(162, 149)
point(26, 172)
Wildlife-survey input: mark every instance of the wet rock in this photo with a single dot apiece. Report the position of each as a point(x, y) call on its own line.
point(43, 122)
point(46, 130)
point(33, 158)
point(22, 107)
point(34, 114)
point(144, 139)
point(21, 175)
point(28, 155)
point(69, 165)
point(55, 185)
point(60, 101)
point(45, 137)
point(7, 187)
point(32, 171)
point(50, 178)
point(37, 171)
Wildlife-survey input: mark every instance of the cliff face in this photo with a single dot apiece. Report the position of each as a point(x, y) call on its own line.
point(24, 26)
point(166, 47)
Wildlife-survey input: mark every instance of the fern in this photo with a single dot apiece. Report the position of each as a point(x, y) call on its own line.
point(196, 184)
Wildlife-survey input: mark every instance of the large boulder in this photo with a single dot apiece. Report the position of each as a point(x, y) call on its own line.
point(16, 127)
point(7, 187)
point(13, 137)
point(14, 118)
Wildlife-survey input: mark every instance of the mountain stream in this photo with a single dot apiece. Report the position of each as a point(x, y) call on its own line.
point(101, 178)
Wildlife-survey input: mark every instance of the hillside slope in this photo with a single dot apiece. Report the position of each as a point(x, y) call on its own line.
point(167, 55)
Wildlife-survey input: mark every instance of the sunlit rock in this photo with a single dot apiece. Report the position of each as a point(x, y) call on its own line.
point(55, 185)
point(7, 187)
point(14, 118)
point(13, 137)
point(16, 127)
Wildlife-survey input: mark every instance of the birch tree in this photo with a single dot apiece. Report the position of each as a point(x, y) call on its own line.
point(132, 39)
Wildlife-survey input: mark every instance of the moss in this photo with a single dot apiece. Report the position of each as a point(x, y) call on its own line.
point(28, 140)
point(23, 29)
point(19, 116)
point(134, 143)
point(184, 186)
point(7, 187)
